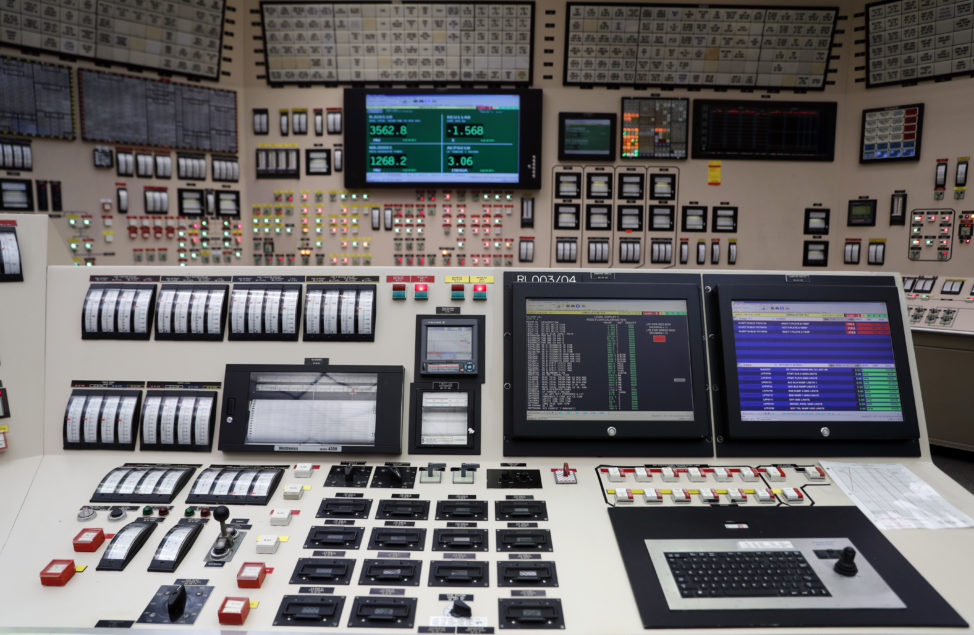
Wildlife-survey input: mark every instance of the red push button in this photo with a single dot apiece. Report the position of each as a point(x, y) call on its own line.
point(57, 572)
point(251, 575)
point(89, 539)
point(234, 611)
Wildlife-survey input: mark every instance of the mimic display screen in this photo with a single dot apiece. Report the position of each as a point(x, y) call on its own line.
point(815, 361)
point(449, 343)
point(442, 137)
point(655, 128)
point(730, 129)
point(586, 136)
point(607, 359)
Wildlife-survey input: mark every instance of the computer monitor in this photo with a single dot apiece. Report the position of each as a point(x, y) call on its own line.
point(815, 362)
point(339, 409)
point(449, 138)
point(599, 365)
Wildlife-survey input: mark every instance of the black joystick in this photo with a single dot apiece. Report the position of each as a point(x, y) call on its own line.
point(349, 471)
point(846, 564)
point(224, 544)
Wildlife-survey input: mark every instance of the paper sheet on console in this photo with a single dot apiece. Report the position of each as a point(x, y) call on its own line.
point(893, 497)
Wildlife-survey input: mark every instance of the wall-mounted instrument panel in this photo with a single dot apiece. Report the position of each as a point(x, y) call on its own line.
point(507, 451)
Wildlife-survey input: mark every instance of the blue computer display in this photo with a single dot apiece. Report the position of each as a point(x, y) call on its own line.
point(815, 361)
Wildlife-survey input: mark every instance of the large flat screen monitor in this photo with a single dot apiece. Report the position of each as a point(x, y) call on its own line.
point(815, 362)
point(443, 138)
point(608, 362)
point(341, 409)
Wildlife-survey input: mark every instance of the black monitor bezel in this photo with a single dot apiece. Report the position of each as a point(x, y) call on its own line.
point(862, 134)
point(809, 431)
point(475, 322)
point(591, 430)
point(563, 154)
point(472, 390)
point(529, 150)
point(234, 416)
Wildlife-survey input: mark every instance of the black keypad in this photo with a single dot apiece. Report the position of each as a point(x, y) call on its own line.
point(744, 574)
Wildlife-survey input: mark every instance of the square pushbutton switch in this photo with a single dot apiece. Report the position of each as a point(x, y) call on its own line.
point(89, 539)
point(251, 575)
point(457, 292)
point(398, 292)
point(281, 517)
point(421, 291)
point(57, 572)
point(764, 495)
point(268, 544)
point(480, 292)
point(293, 492)
point(234, 611)
point(303, 470)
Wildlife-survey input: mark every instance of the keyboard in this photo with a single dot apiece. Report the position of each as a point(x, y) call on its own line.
point(700, 574)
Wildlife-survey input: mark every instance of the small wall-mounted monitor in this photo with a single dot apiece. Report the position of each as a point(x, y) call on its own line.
point(449, 346)
point(443, 138)
point(586, 136)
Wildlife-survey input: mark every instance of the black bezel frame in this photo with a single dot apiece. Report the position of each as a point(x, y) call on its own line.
point(655, 157)
point(808, 262)
point(807, 230)
point(165, 499)
point(862, 131)
point(28, 187)
point(649, 218)
point(234, 416)
point(684, 227)
point(339, 337)
point(756, 86)
point(824, 153)
point(235, 195)
point(588, 185)
point(714, 216)
point(192, 447)
point(116, 335)
point(477, 322)
point(663, 176)
point(267, 337)
point(236, 499)
point(100, 445)
point(870, 222)
point(307, 161)
point(563, 154)
point(588, 217)
point(71, 94)
point(12, 277)
point(578, 181)
point(214, 337)
point(623, 172)
point(529, 138)
point(736, 429)
point(181, 211)
point(578, 214)
point(416, 390)
point(397, 82)
point(639, 216)
point(588, 438)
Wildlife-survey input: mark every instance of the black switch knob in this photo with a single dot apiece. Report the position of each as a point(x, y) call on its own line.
point(460, 609)
point(349, 471)
point(222, 514)
point(176, 603)
point(846, 564)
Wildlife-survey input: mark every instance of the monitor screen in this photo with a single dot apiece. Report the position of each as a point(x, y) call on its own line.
point(801, 361)
point(449, 343)
point(608, 361)
point(399, 138)
point(655, 127)
point(586, 136)
point(815, 361)
point(757, 130)
point(307, 408)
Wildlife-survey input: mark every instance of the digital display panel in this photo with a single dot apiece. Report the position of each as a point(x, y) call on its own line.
point(586, 136)
point(891, 134)
point(815, 361)
point(411, 137)
point(655, 128)
point(449, 343)
point(312, 409)
point(755, 130)
point(600, 359)
point(444, 418)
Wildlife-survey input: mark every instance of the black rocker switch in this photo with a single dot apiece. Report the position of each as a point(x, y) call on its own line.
point(176, 603)
point(224, 544)
point(460, 609)
point(846, 564)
